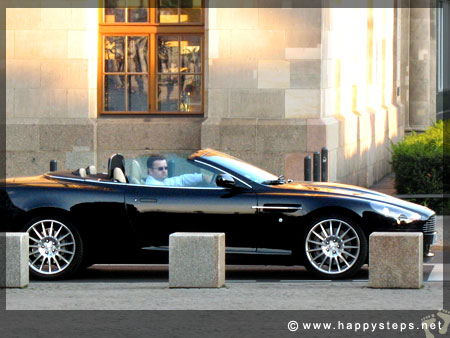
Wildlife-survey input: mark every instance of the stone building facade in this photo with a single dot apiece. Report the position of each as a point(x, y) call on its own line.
point(279, 84)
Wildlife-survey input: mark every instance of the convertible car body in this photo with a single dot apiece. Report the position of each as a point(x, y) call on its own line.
point(79, 218)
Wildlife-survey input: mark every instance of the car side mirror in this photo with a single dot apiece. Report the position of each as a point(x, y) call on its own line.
point(225, 181)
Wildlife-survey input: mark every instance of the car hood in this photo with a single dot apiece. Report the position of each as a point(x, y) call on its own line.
point(345, 190)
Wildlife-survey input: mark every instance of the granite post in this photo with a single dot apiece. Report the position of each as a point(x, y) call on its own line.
point(396, 260)
point(16, 260)
point(196, 260)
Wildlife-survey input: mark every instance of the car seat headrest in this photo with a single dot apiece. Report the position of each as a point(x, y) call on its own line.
point(82, 172)
point(119, 176)
point(91, 170)
point(115, 161)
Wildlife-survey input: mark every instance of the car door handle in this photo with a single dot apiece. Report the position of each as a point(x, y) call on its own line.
point(146, 200)
point(276, 207)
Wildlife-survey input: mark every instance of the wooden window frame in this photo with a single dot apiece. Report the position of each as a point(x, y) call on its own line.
point(151, 29)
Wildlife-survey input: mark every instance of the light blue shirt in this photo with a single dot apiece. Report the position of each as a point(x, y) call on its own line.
point(186, 180)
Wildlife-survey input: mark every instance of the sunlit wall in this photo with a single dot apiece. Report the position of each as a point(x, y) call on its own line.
point(51, 57)
point(280, 84)
point(359, 83)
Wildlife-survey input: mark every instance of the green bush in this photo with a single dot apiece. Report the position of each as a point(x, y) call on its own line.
point(419, 163)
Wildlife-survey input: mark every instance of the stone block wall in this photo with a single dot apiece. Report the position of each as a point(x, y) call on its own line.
point(286, 82)
point(422, 67)
point(280, 84)
point(31, 144)
point(51, 106)
point(137, 136)
point(48, 60)
point(263, 84)
point(359, 91)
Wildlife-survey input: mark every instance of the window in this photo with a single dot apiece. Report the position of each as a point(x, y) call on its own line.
point(173, 171)
point(151, 59)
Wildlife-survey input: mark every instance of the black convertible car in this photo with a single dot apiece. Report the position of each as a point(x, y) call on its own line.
point(78, 218)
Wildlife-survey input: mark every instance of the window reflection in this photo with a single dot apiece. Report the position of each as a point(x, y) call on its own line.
point(137, 93)
point(114, 53)
point(176, 11)
point(114, 84)
point(137, 54)
point(168, 93)
point(191, 98)
point(115, 11)
point(190, 51)
point(167, 11)
point(176, 80)
point(134, 78)
point(114, 93)
point(137, 63)
point(185, 95)
point(168, 52)
point(191, 11)
point(137, 15)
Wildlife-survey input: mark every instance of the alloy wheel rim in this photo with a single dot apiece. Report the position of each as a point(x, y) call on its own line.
point(332, 246)
point(51, 247)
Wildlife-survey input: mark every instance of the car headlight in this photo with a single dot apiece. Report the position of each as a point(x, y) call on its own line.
point(402, 216)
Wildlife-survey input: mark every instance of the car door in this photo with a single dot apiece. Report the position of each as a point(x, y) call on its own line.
point(280, 218)
point(158, 211)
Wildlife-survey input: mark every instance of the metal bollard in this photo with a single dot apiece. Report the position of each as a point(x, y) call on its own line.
point(324, 164)
point(307, 168)
point(53, 165)
point(316, 167)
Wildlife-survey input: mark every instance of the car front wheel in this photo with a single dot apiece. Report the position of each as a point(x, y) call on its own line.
point(55, 248)
point(334, 247)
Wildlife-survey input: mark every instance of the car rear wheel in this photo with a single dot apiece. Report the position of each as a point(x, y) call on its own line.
point(334, 247)
point(55, 248)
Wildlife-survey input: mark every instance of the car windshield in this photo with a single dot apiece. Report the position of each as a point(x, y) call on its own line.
point(180, 172)
point(242, 168)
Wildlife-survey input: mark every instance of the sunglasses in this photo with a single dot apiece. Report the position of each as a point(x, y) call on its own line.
point(160, 168)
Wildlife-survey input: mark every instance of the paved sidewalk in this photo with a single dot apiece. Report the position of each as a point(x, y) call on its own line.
point(386, 185)
point(238, 295)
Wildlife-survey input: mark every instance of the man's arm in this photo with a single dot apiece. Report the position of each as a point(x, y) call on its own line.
point(186, 180)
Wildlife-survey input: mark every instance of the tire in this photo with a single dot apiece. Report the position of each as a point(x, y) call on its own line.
point(337, 253)
point(56, 249)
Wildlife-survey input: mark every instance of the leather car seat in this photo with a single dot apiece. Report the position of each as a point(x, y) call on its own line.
point(82, 172)
point(119, 176)
point(135, 176)
point(91, 170)
point(115, 161)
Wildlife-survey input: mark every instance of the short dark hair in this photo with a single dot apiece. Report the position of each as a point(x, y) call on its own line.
point(154, 158)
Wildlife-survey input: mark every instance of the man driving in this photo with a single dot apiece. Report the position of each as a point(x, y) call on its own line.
point(158, 172)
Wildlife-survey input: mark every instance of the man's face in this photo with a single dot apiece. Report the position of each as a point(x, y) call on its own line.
point(159, 170)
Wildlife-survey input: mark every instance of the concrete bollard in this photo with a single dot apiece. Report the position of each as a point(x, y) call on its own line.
point(15, 263)
point(396, 260)
point(196, 260)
